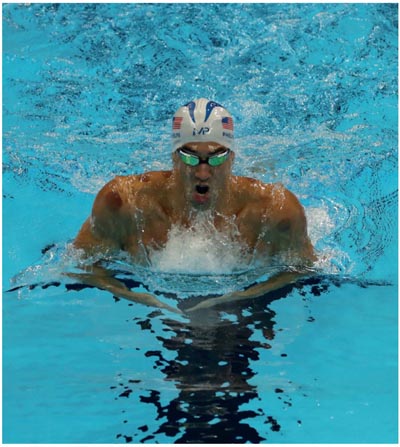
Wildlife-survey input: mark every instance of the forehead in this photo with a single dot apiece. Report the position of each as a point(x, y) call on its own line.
point(204, 146)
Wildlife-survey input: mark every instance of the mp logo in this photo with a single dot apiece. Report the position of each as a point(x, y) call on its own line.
point(201, 131)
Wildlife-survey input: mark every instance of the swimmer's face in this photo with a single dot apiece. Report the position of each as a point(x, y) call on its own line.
point(203, 183)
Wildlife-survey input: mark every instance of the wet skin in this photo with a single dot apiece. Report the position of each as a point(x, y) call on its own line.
point(135, 213)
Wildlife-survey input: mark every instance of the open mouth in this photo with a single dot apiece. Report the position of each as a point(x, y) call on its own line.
point(202, 189)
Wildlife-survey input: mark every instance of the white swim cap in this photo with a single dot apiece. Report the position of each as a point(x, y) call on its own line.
point(202, 120)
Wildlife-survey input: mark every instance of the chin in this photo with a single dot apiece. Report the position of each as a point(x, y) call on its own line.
point(200, 206)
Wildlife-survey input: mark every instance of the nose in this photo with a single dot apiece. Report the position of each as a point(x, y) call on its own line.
point(203, 172)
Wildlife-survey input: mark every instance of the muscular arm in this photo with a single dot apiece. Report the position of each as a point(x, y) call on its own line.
point(101, 278)
point(107, 230)
point(106, 227)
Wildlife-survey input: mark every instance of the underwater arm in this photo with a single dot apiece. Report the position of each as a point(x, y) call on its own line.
point(276, 282)
point(101, 278)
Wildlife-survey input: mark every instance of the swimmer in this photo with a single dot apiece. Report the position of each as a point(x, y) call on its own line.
point(135, 213)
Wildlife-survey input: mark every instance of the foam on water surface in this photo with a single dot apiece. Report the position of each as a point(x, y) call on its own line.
point(197, 260)
point(200, 249)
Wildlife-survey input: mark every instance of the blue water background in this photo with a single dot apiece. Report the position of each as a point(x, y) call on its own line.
point(88, 93)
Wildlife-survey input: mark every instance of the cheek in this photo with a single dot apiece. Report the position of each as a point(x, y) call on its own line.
point(188, 174)
point(184, 172)
point(221, 175)
point(187, 181)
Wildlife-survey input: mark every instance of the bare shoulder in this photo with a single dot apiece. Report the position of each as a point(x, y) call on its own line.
point(125, 190)
point(112, 220)
point(276, 213)
point(271, 199)
point(273, 193)
point(283, 204)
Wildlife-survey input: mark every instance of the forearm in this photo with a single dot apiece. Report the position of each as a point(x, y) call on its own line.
point(273, 283)
point(101, 278)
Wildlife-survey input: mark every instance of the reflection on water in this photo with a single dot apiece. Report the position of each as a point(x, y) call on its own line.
point(211, 368)
point(212, 361)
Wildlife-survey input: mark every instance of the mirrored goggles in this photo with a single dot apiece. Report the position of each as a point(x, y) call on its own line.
point(194, 160)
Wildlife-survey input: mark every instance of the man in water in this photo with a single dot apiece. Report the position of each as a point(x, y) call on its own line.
point(135, 213)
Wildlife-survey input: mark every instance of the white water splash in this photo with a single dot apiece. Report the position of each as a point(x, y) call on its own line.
point(200, 249)
point(322, 226)
point(196, 261)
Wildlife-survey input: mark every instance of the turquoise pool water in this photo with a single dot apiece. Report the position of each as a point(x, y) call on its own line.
point(88, 92)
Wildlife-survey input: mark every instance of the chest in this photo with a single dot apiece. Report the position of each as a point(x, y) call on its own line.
point(151, 231)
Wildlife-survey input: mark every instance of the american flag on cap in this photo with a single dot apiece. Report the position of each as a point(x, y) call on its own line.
point(177, 122)
point(227, 123)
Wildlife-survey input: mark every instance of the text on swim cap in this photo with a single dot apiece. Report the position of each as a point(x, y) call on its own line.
point(201, 131)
